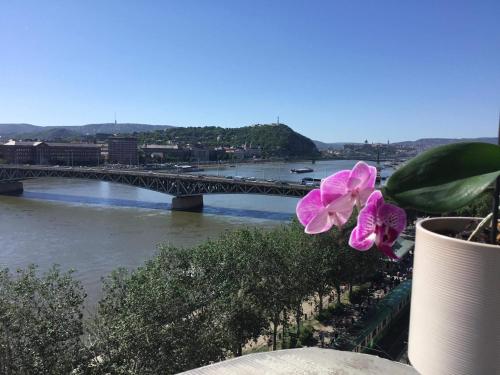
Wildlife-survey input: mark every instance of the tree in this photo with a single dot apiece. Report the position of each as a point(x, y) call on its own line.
point(40, 322)
point(303, 270)
point(318, 254)
point(189, 307)
point(332, 261)
point(230, 277)
point(155, 319)
point(347, 265)
point(275, 287)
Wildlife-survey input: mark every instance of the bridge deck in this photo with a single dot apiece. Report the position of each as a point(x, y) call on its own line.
point(169, 183)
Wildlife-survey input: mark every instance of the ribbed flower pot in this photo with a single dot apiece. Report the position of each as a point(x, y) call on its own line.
point(455, 303)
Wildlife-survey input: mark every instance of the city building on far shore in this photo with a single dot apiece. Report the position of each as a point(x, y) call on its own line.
point(31, 152)
point(199, 154)
point(163, 153)
point(123, 150)
point(240, 153)
point(175, 152)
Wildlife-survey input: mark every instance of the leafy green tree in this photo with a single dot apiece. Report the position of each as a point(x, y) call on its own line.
point(40, 322)
point(275, 288)
point(231, 279)
point(188, 307)
point(248, 276)
point(155, 319)
point(347, 265)
point(319, 262)
point(302, 269)
point(333, 262)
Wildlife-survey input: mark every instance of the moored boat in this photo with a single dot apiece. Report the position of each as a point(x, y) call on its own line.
point(301, 170)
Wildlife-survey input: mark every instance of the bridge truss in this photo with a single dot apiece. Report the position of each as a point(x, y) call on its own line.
point(179, 185)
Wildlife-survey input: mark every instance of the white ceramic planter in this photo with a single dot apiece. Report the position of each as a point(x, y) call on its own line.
point(455, 303)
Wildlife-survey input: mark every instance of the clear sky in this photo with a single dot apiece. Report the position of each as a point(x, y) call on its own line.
point(332, 70)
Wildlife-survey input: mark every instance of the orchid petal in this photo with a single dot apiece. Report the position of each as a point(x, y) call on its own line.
point(387, 250)
point(309, 206)
point(359, 242)
point(367, 221)
point(370, 182)
point(376, 199)
point(320, 223)
point(343, 203)
point(391, 236)
point(363, 196)
point(392, 221)
point(361, 176)
point(340, 217)
point(353, 183)
point(334, 186)
point(393, 216)
point(341, 209)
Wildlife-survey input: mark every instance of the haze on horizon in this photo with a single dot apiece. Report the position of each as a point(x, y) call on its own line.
point(333, 71)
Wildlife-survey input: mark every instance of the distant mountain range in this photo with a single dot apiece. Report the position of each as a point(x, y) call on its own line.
point(74, 131)
point(425, 143)
point(419, 144)
point(25, 131)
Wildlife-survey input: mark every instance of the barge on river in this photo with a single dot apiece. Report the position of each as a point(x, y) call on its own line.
point(301, 170)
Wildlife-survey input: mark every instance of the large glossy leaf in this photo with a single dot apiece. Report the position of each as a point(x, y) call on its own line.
point(445, 178)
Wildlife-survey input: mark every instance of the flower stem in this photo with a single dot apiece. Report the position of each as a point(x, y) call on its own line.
point(494, 219)
point(494, 216)
point(480, 226)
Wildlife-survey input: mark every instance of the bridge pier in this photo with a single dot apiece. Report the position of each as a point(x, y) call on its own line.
point(187, 203)
point(11, 187)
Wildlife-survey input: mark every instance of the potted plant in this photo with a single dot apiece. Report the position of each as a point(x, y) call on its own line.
point(455, 308)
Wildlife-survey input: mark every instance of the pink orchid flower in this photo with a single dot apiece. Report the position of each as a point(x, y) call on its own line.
point(333, 202)
point(379, 223)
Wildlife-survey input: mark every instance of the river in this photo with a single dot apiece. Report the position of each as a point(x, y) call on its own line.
point(94, 227)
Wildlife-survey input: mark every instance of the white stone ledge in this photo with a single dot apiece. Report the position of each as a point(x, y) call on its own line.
point(305, 361)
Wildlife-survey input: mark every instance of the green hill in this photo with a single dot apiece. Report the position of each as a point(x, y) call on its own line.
point(7, 130)
point(274, 140)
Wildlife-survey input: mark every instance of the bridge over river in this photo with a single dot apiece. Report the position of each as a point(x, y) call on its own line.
point(187, 189)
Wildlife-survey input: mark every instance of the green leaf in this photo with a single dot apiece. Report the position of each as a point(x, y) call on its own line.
point(445, 178)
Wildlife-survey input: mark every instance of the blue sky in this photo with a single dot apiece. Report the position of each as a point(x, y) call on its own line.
point(332, 70)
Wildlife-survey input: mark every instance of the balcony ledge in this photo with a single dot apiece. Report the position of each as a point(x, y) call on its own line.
point(306, 361)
